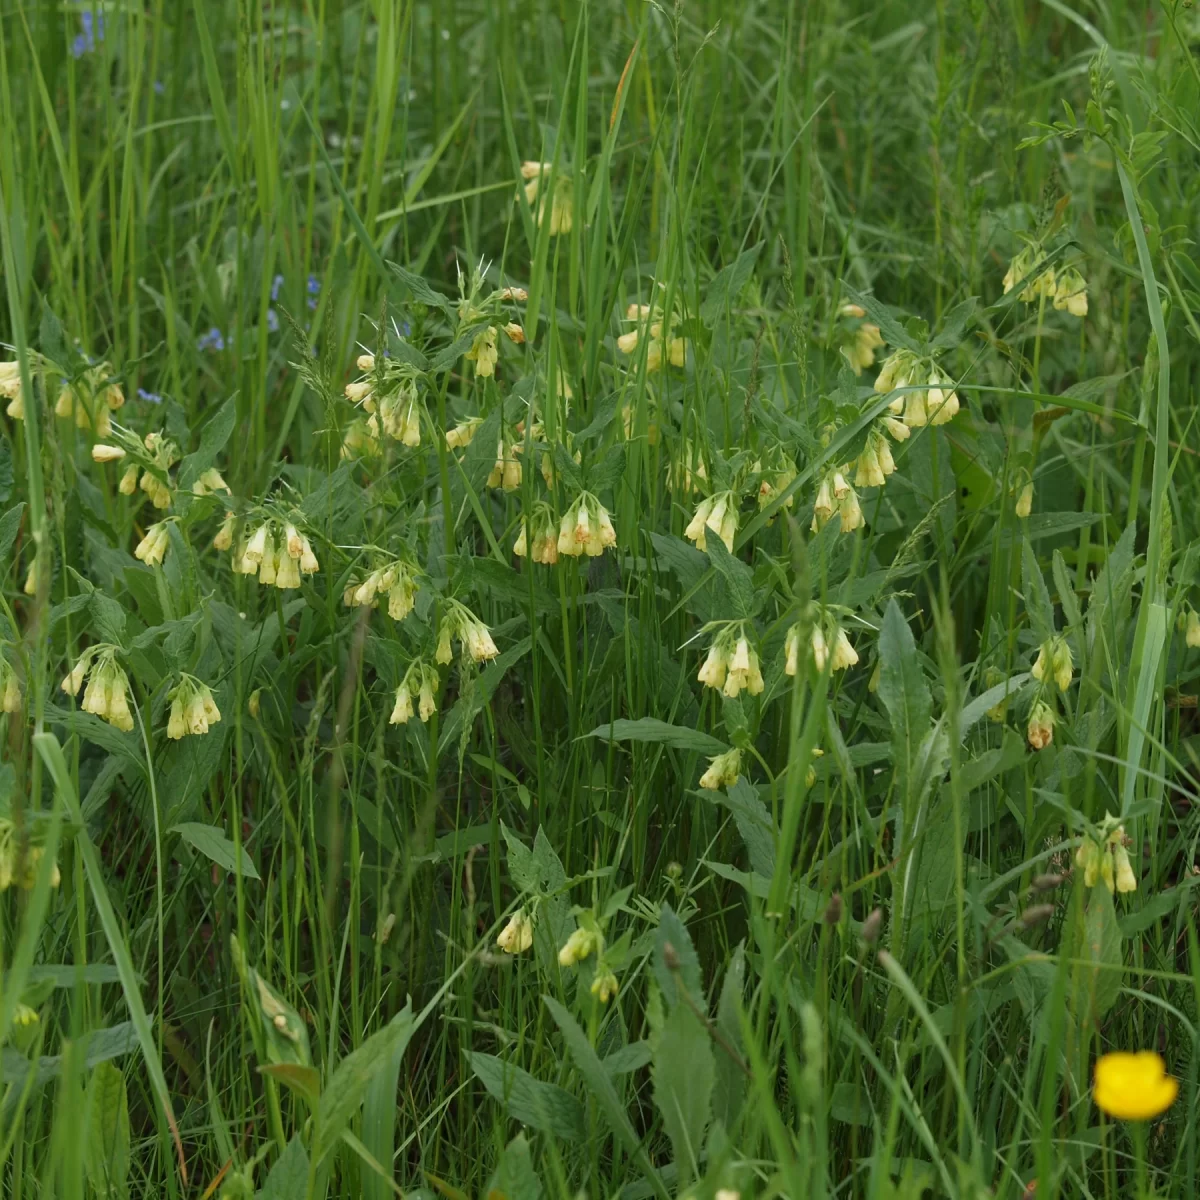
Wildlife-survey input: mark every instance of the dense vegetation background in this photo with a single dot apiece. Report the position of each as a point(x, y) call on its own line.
point(753, 752)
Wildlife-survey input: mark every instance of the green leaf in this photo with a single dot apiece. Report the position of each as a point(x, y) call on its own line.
point(289, 1176)
point(1037, 596)
point(10, 525)
point(686, 971)
point(542, 1106)
point(51, 753)
point(379, 1123)
point(214, 845)
point(419, 290)
point(727, 286)
point(344, 1092)
point(737, 575)
point(1102, 945)
point(729, 1089)
point(956, 322)
point(109, 616)
point(754, 824)
point(515, 1178)
point(892, 331)
point(212, 441)
point(474, 698)
point(651, 729)
point(683, 1073)
point(106, 1150)
point(904, 693)
point(610, 470)
point(600, 1085)
point(87, 725)
point(304, 1081)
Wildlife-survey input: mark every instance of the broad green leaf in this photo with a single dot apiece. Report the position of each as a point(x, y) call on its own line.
point(1037, 596)
point(737, 575)
point(1102, 944)
point(651, 729)
point(515, 1178)
point(214, 845)
point(379, 1123)
point(727, 286)
point(600, 1085)
point(288, 1178)
point(753, 823)
point(345, 1090)
point(212, 441)
point(10, 524)
point(683, 1074)
point(892, 331)
point(673, 945)
point(905, 694)
point(304, 1081)
point(542, 1106)
point(730, 1079)
point(51, 753)
point(106, 1151)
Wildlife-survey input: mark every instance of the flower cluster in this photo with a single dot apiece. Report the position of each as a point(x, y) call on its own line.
point(539, 535)
point(1054, 661)
point(861, 338)
point(586, 528)
point(10, 687)
point(107, 693)
point(1103, 857)
point(91, 399)
point(193, 708)
point(561, 197)
point(473, 635)
point(19, 864)
point(826, 632)
point(718, 513)
point(506, 473)
point(11, 389)
point(929, 398)
point(396, 579)
point(156, 455)
point(420, 683)
point(723, 771)
point(278, 553)
point(732, 663)
point(474, 308)
point(1067, 291)
point(835, 495)
point(517, 936)
point(390, 394)
point(152, 548)
point(661, 345)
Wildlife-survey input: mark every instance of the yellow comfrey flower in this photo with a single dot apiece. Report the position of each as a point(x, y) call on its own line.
point(1133, 1086)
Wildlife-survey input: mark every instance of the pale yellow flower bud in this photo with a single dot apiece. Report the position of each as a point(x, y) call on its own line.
point(104, 453)
point(517, 936)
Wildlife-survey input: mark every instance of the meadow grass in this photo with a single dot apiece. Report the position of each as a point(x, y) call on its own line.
point(724, 720)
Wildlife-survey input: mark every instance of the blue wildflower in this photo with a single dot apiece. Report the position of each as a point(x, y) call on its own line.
point(276, 285)
point(272, 321)
point(314, 290)
point(151, 397)
point(212, 340)
point(92, 25)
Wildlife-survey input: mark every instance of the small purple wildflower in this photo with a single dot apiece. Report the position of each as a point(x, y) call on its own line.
point(314, 290)
point(92, 25)
point(212, 340)
point(276, 285)
point(151, 397)
point(272, 321)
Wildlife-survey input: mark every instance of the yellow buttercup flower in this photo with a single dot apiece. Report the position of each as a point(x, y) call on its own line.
point(1133, 1087)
